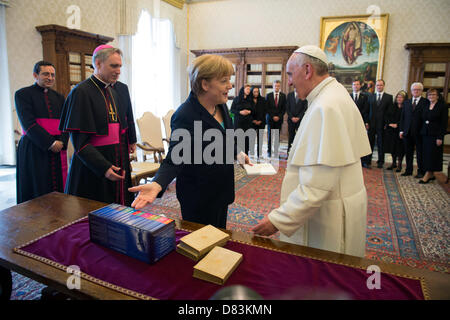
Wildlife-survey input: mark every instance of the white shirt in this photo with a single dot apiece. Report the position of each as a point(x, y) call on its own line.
point(380, 94)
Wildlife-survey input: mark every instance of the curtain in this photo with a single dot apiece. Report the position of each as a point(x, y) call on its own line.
point(154, 84)
point(7, 147)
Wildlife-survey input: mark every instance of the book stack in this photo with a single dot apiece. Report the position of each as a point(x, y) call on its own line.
point(198, 243)
point(217, 263)
point(138, 234)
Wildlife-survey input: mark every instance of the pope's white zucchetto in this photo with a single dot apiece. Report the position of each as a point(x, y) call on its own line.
point(313, 51)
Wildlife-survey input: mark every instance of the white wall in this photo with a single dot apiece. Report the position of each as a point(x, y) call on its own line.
point(226, 24)
point(253, 23)
point(24, 42)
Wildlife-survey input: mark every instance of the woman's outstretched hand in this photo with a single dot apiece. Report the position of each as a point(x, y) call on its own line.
point(147, 194)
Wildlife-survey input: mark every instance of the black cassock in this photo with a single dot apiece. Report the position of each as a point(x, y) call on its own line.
point(39, 170)
point(100, 121)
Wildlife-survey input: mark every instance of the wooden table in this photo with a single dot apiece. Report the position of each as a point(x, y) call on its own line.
point(30, 220)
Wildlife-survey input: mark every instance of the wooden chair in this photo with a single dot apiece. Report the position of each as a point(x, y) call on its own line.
point(142, 170)
point(166, 120)
point(151, 136)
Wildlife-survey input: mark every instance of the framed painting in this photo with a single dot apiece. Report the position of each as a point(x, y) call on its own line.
point(355, 47)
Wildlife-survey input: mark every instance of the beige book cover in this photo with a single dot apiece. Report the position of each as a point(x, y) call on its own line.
point(217, 265)
point(203, 240)
point(259, 169)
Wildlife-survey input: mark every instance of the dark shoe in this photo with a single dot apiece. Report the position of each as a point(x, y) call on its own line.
point(380, 165)
point(418, 176)
point(366, 165)
point(423, 181)
point(391, 167)
point(404, 174)
point(432, 178)
point(399, 169)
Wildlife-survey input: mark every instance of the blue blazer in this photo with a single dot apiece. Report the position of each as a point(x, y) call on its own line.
point(198, 184)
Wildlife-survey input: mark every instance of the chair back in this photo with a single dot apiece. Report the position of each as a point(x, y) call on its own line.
point(166, 121)
point(150, 129)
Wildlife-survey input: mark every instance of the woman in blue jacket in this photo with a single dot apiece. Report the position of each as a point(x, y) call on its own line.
point(204, 187)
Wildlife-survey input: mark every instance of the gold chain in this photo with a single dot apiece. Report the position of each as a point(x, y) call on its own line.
point(106, 101)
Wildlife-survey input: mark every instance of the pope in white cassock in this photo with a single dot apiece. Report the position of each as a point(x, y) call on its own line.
point(323, 197)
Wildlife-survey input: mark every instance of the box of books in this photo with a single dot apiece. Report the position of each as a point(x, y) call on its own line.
point(138, 234)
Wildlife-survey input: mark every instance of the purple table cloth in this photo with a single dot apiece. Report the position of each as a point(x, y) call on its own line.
point(272, 274)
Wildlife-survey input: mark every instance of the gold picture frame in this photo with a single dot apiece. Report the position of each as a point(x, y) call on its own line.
point(355, 47)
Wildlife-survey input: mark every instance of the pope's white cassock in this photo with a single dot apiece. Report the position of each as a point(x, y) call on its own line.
point(323, 197)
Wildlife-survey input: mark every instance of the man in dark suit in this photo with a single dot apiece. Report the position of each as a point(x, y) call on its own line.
point(295, 109)
point(410, 125)
point(379, 102)
point(276, 107)
point(362, 102)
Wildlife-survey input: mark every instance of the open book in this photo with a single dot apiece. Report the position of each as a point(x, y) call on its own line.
point(217, 265)
point(259, 169)
point(198, 243)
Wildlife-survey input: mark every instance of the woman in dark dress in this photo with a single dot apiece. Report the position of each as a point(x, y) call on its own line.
point(392, 142)
point(434, 127)
point(204, 189)
point(259, 118)
point(243, 110)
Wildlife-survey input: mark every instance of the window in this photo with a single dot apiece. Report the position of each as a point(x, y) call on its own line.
point(153, 61)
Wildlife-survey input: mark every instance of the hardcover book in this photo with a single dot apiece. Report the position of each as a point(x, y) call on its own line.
point(217, 265)
point(259, 169)
point(198, 243)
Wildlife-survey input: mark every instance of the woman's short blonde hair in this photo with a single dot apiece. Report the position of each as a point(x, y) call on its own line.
point(208, 67)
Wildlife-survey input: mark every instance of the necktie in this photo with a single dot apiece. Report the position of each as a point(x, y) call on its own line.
point(276, 100)
point(356, 97)
point(414, 104)
point(378, 99)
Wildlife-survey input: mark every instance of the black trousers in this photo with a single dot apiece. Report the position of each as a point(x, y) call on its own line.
point(271, 125)
point(411, 142)
point(208, 213)
point(292, 129)
point(376, 134)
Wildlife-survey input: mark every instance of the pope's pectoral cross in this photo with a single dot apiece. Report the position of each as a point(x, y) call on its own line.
point(112, 113)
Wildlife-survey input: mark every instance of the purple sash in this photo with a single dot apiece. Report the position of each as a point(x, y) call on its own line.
point(113, 136)
point(51, 126)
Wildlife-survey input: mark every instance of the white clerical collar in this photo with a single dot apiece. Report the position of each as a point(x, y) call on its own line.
point(314, 92)
point(106, 84)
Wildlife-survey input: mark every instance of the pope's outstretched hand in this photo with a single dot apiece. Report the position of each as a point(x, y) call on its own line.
point(147, 194)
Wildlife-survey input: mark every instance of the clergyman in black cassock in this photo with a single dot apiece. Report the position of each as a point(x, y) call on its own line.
point(97, 117)
point(41, 153)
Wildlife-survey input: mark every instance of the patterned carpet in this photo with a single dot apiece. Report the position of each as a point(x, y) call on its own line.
point(407, 223)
